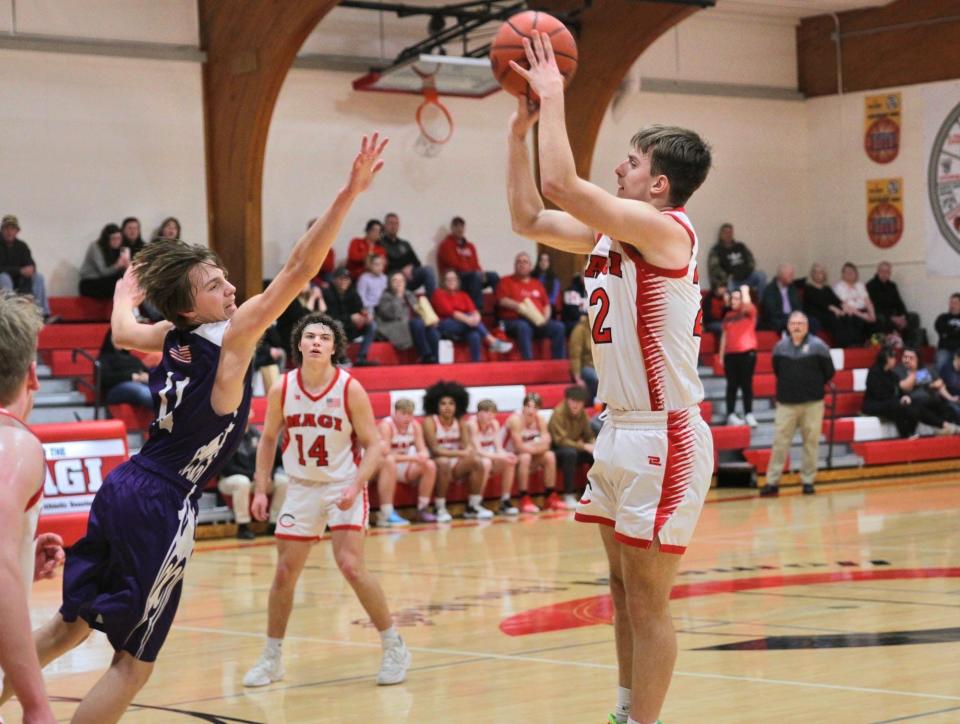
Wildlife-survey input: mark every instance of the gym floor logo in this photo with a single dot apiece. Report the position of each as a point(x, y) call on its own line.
point(596, 610)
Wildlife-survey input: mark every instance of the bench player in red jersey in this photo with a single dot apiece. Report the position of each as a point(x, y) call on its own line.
point(642, 285)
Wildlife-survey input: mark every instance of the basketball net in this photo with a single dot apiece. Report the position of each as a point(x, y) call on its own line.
point(433, 118)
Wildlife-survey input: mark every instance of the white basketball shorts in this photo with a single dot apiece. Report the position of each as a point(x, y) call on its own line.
point(309, 507)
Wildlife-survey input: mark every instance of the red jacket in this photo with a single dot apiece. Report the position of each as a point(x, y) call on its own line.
point(357, 255)
point(461, 257)
point(512, 287)
point(445, 303)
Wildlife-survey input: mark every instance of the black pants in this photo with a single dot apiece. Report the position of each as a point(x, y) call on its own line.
point(567, 459)
point(101, 288)
point(907, 417)
point(739, 367)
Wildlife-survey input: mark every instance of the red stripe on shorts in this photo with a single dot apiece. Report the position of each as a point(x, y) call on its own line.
point(681, 445)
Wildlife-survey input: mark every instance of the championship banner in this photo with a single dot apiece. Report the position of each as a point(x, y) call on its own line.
point(881, 121)
point(941, 113)
point(885, 211)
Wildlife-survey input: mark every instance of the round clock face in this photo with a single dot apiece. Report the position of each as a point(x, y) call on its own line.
point(943, 179)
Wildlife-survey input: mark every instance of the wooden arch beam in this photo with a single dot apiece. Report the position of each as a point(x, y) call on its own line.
point(250, 46)
point(613, 34)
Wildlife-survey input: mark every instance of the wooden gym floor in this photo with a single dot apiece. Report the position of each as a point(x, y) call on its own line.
point(844, 607)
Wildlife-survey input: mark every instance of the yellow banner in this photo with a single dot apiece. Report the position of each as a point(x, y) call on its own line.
point(881, 124)
point(885, 211)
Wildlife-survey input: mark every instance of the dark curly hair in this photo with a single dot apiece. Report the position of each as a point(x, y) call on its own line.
point(454, 390)
point(339, 336)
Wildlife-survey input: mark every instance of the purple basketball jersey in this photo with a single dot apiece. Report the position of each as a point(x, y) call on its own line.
point(189, 443)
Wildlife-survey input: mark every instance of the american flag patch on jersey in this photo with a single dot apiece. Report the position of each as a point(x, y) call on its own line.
point(181, 354)
point(333, 402)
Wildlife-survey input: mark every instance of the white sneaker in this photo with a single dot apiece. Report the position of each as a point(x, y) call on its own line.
point(443, 515)
point(751, 420)
point(501, 345)
point(479, 513)
point(267, 670)
point(734, 419)
point(393, 667)
point(571, 501)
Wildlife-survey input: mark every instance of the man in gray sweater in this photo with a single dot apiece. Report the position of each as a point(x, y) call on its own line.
point(802, 365)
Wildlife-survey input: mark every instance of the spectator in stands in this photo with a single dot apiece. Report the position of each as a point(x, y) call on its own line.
point(545, 276)
point(398, 320)
point(344, 304)
point(574, 303)
point(309, 300)
point(528, 437)
point(802, 366)
point(891, 312)
point(714, 306)
point(270, 356)
point(373, 282)
point(883, 397)
point(105, 262)
point(325, 275)
point(738, 350)
point(132, 238)
point(948, 331)
point(525, 309)
point(448, 437)
point(856, 307)
point(582, 370)
point(821, 303)
point(123, 377)
point(779, 299)
point(18, 271)
point(402, 257)
point(407, 460)
point(731, 263)
point(486, 435)
point(572, 438)
point(456, 253)
point(363, 246)
point(927, 392)
point(950, 374)
point(459, 318)
point(169, 229)
point(236, 481)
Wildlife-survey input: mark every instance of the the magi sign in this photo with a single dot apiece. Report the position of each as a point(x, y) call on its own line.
point(79, 456)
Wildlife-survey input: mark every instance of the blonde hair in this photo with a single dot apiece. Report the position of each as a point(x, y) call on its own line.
point(404, 405)
point(486, 406)
point(20, 323)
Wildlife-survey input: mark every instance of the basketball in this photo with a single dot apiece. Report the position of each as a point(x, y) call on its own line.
point(508, 45)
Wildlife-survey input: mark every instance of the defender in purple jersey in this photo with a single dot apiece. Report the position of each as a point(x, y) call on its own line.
point(125, 576)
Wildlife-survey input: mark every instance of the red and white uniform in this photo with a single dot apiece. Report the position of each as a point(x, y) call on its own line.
point(486, 437)
point(654, 457)
point(403, 443)
point(31, 513)
point(448, 437)
point(529, 433)
point(320, 456)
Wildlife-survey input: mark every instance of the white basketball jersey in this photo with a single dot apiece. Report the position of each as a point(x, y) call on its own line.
point(31, 514)
point(527, 434)
point(645, 324)
point(402, 443)
point(319, 445)
point(448, 437)
point(486, 436)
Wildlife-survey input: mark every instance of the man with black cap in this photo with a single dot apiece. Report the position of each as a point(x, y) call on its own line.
point(344, 304)
point(18, 272)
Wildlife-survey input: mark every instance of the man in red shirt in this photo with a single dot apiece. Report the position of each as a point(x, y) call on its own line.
point(456, 253)
point(511, 292)
point(459, 318)
point(362, 247)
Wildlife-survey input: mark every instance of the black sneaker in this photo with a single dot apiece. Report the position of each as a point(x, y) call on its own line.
point(808, 489)
point(769, 491)
point(244, 533)
point(481, 513)
point(507, 508)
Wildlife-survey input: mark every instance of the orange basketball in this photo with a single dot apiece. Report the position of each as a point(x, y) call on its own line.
point(508, 45)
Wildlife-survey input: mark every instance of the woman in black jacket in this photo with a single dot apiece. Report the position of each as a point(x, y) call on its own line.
point(885, 399)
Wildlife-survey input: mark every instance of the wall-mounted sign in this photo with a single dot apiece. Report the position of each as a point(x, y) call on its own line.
point(885, 211)
point(881, 120)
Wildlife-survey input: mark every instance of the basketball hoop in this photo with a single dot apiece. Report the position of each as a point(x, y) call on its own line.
point(433, 118)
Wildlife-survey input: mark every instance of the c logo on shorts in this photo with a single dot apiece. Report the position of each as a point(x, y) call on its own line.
point(287, 520)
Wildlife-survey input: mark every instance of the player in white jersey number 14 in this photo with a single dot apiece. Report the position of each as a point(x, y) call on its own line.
point(644, 309)
point(324, 415)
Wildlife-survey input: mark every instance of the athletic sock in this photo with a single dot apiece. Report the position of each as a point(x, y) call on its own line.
point(274, 646)
point(386, 510)
point(441, 503)
point(475, 501)
point(423, 502)
point(389, 636)
point(623, 704)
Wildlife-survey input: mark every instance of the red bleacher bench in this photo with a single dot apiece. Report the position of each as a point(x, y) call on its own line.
point(70, 336)
point(470, 375)
point(760, 459)
point(81, 309)
point(885, 452)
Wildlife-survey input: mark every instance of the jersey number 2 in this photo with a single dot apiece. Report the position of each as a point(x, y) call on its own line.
point(317, 451)
point(601, 334)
